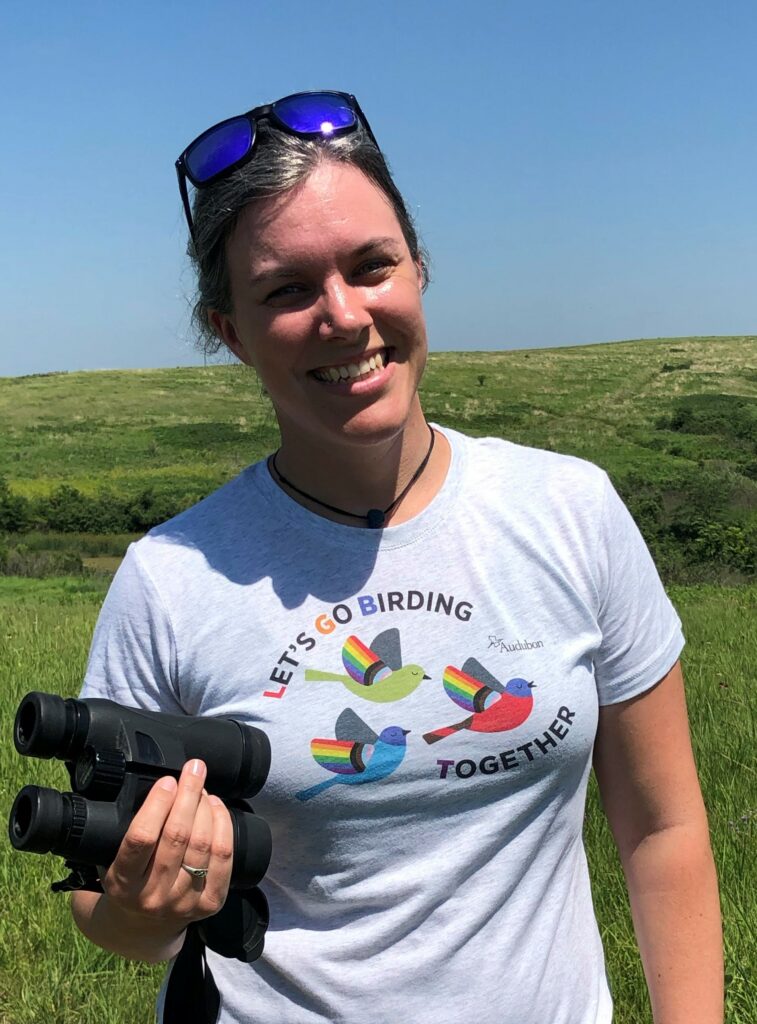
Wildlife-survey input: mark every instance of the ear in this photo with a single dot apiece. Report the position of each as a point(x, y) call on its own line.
point(419, 272)
point(223, 327)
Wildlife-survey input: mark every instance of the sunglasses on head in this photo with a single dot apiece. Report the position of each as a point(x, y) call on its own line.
point(231, 143)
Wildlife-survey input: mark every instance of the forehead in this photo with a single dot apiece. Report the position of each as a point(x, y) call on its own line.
point(337, 207)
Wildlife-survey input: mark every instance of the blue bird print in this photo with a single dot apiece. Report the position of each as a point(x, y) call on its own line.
point(358, 754)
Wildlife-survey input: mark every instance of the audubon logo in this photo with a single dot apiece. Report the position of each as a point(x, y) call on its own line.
point(504, 646)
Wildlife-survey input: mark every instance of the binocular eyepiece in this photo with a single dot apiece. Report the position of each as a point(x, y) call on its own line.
point(111, 736)
point(114, 755)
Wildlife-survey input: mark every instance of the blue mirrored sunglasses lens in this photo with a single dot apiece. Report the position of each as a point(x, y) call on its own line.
point(320, 113)
point(219, 149)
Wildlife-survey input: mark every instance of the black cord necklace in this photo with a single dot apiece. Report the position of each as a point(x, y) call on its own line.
point(374, 517)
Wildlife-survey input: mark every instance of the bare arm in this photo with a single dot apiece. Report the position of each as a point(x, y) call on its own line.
point(651, 795)
point(148, 899)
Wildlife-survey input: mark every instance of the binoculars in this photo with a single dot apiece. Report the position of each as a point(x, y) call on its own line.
point(114, 755)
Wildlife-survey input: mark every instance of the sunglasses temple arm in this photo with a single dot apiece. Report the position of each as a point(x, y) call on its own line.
point(364, 119)
point(185, 200)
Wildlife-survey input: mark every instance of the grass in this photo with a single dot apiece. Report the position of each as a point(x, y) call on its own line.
point(662, 412)
point(187, 430)
point(673, 421)
point(721, 630)
point(48, 972)
point(89, 545)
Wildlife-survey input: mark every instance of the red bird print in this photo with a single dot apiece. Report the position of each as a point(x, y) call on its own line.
point(492, 706)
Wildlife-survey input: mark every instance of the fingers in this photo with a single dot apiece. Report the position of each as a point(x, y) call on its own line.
point(221, 856)
point(181, 826)
point(176, 824)
point(197, 853)
point(138, 846)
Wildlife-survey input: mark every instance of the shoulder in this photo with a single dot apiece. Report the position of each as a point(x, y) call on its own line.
point(228, 503)
point(225, 528)
point(529, 474)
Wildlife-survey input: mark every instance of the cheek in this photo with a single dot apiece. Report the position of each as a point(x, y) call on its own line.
point(276, 341)
point(399, 303)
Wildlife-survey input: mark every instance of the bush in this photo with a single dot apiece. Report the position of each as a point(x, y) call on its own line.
point(67, 510)
point(20, 561)
point(647, 510)
point(148, 510)
point(685, 364)
point(15, 512)
point(109, 514)
point(724, 415)
point(735, 546)
point(692, 525)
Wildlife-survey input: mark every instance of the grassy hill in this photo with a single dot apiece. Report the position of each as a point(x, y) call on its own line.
point(674, 421)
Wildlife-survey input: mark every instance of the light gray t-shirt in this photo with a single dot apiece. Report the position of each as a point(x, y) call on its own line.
point(431, 694)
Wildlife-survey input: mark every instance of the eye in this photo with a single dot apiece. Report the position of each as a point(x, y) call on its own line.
point(374, 267)
point(285, 294)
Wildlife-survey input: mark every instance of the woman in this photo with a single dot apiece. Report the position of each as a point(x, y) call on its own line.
point(436, 633)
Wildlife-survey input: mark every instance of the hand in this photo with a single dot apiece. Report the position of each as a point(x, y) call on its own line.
point(175, 824)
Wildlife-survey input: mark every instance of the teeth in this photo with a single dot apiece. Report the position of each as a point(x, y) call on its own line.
point(351, 371)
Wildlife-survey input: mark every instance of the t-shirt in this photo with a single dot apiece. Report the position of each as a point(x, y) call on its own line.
point(431, 694)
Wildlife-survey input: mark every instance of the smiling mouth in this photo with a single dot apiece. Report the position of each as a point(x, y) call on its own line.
point(362, 369)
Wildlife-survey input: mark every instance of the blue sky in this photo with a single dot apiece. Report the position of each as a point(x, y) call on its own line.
point(581, 170)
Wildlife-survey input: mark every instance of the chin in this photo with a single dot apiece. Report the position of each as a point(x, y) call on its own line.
point(377, 424)
point(374, 423)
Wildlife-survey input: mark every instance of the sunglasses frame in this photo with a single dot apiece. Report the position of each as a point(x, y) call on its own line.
point(267, 111)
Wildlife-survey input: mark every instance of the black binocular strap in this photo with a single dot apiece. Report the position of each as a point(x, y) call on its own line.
point(192, 995)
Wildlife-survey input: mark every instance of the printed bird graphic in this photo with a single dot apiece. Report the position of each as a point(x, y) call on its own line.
point(374, 673)
point(357, 755)
point(493, 707)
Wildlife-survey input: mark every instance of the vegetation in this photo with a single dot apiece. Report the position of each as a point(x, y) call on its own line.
point(88, 461)
point(46, 628)
point(674, 422)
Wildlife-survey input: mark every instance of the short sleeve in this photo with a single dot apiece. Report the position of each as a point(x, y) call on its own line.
point(641, 633)
point(132, 659)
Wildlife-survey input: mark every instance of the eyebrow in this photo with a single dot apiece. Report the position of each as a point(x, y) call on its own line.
point(377, 243)
point(287, 271)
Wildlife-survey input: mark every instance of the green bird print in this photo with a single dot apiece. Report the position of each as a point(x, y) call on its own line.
point(374, 673)
point(358, 754)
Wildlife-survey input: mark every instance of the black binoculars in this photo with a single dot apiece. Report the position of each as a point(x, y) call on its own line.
point(114, 755)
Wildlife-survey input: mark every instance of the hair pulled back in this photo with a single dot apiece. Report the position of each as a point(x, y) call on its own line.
point(280, 163)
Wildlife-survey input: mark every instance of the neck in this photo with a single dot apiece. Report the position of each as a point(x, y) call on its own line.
point(357, 477)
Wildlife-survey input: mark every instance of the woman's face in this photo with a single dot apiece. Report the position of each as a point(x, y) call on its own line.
point(327, 308)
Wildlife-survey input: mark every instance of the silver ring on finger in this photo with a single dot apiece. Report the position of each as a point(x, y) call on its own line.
point(195, 872)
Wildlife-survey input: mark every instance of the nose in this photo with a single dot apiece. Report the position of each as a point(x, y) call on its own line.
point(344, 311)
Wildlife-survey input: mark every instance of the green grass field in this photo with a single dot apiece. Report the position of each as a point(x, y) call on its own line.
point(49, 973)
point(675, 419)
point(189, 429)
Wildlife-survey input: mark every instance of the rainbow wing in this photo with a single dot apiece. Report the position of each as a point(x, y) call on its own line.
point(469, 693)
point(343, 757)
point(362, 664)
